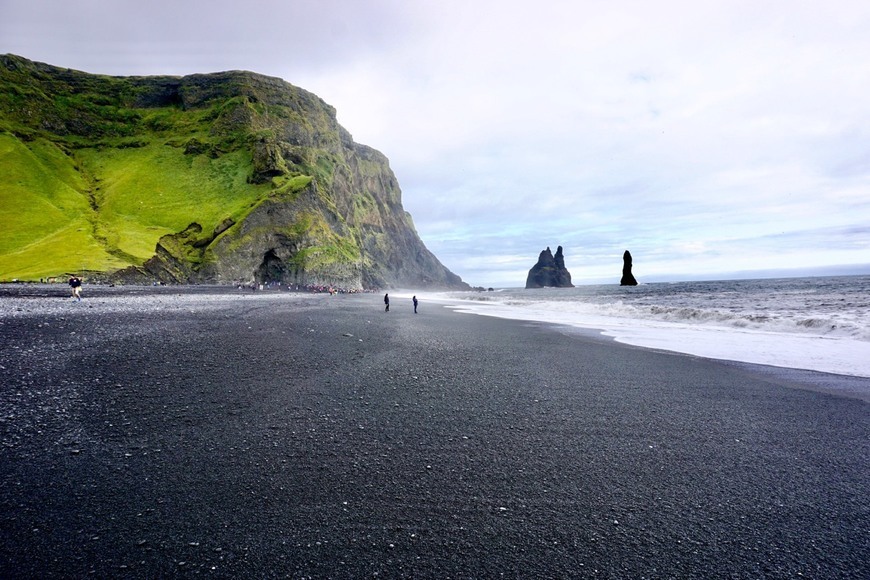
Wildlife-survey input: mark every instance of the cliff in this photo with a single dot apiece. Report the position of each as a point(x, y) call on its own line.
point(549, 271)
point(208, 178)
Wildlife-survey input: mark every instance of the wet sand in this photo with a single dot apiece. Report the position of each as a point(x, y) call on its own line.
point(153, 432)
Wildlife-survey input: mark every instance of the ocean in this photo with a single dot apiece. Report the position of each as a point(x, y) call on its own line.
point(820, 323)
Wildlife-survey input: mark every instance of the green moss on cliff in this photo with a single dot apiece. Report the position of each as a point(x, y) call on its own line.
point(334, 250)
point(48, 221)
point(90, 182)
point(145, 193)
point(95, 170)
point(289, 187)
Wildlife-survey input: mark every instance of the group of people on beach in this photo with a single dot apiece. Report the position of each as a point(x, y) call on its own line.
point(75, 284)
point(387, 303)
point(314, 288)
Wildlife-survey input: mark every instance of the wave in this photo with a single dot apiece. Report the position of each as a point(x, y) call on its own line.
point(724, 309)
point(816, 324)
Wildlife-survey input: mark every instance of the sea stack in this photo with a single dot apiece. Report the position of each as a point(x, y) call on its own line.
point(550, 271)
point(627, 277)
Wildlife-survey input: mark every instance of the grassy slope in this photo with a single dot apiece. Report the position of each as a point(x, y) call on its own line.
point(88, 183)
point(147, 192)
point(140, 193)
point(46, 216)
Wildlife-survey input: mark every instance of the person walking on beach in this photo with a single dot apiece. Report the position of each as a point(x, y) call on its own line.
point(415, 304)
point(387, 302)
point(75, 284)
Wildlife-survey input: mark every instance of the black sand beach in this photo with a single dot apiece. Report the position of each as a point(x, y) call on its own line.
point(152, 433)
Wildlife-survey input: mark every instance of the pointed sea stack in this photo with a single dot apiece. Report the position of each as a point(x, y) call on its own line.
point(627, 277)
point(550, 271)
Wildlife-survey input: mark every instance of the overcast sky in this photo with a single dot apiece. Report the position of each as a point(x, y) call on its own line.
point(708, 138)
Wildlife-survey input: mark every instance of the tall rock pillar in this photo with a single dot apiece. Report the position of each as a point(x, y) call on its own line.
point(627, 277)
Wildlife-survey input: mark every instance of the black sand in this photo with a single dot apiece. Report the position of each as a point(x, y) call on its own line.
point(316, 436)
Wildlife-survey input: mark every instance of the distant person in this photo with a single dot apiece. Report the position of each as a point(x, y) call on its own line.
point(386, 302)
point(75, 284)
point(415, 304)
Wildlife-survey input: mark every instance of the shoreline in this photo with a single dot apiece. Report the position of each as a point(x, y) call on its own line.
point(834, 355)
point(316, 435)
point(852, 386)
point(21, 296)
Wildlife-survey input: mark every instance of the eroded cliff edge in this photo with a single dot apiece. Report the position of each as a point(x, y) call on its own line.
point(316, 207)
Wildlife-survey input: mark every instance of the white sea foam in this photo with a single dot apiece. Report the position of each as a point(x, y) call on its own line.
point(820, 324)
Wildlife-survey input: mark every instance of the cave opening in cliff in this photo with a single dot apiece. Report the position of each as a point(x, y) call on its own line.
point(272, 269)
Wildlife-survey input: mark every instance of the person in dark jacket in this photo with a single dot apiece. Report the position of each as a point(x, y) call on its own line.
point(75, 284)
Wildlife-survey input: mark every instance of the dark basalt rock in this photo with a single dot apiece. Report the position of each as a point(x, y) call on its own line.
point(627, 277)
point(550, 271)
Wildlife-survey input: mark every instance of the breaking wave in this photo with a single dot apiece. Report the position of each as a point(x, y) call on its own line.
point(717, 318)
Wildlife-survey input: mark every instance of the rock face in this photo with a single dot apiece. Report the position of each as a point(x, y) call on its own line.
point(627, 277)
point(550, 271)
point(319, 208)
